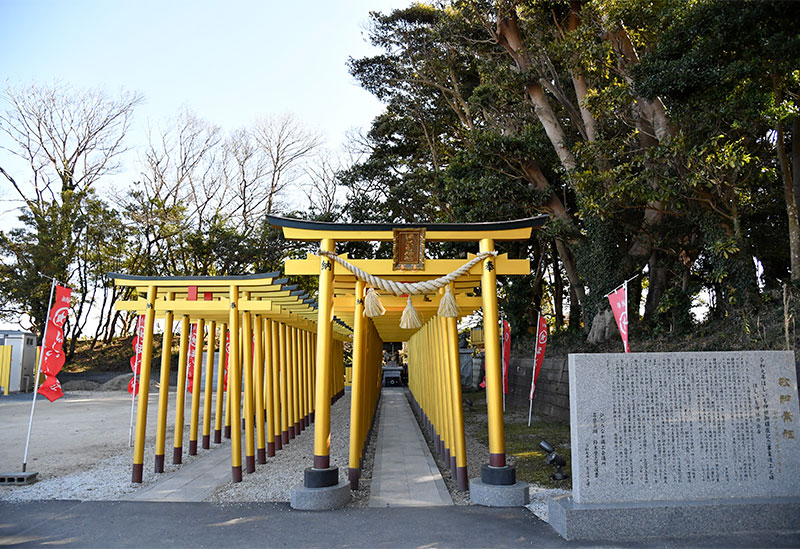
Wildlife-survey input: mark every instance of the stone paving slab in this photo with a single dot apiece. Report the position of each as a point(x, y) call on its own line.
point(193, 482)
point(404, 473)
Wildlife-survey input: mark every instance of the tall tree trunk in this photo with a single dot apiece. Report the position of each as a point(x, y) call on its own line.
point(537, 180)
point(789, 195)
point(558, 288)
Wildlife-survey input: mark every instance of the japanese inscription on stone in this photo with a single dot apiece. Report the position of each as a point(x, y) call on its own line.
point(678, 426)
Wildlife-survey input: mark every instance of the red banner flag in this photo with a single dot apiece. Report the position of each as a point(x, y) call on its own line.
point(52, 349)
point(190, 359)
point(538, 355)
point(51, 388)
point(506, 353)
point(136, 359)
point(619, 305)
point(227, 354)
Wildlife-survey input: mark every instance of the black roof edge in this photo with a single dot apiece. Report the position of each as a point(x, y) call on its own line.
point(294, 223)
point(196, 278)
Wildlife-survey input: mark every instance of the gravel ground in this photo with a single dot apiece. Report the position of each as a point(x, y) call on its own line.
point(109, 477)
point(274, 481)
point(477, 455)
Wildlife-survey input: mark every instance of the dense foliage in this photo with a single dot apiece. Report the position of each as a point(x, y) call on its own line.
point(661, 139)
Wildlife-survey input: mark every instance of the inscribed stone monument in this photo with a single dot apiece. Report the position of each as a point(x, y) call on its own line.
point(683, 429)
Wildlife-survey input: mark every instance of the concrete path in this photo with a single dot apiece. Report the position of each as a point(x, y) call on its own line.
point(193, 482)
point(404, 473)
point(170, 524)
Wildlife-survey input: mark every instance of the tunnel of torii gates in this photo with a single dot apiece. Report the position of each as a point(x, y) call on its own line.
point(293, 369)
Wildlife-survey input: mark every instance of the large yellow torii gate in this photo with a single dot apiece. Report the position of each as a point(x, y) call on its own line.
point(341, 291)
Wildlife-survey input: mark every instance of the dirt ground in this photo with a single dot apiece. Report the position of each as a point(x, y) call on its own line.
point(71, 434)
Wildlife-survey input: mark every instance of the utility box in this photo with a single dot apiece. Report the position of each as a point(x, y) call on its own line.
point(23, 359)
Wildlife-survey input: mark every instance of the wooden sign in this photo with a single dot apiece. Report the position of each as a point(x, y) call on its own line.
point(409, 249)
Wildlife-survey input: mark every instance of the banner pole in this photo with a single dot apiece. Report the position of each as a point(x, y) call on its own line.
point(503, 361)
point(38, 371)
point(133, 394)
point(533, 373)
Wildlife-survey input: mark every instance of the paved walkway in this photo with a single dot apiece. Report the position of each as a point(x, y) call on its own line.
point(404, 473)
point(193, 482)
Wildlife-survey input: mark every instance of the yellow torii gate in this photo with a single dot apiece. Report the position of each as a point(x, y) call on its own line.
point(340, 290)
point(276, 371)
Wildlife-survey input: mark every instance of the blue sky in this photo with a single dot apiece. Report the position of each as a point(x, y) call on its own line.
point(227, 61)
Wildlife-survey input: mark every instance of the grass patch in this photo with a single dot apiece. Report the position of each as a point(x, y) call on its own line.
point(522, 442)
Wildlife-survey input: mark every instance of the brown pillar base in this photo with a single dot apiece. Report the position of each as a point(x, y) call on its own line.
point(447, 455)
point(307, 421)
point(250, 463)
point(236, 473)
point(192, 447)
point(206, 442)
point(497, 460)
point(159, 463)
point(138, 470)
point(437, 443)
point(461, 478)
point(322, 462)
point(312, 417)
point(177, 455)
point(227, 431)
point(285, 437)
point(217, 436)
point(279, 442)
point(291, 431)
point(261, 456)
point(453, 464)
point(297, 428)
point(353, 475)
point(270, 449)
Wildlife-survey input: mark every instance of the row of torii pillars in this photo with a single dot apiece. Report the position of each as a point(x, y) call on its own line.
point(316, 368)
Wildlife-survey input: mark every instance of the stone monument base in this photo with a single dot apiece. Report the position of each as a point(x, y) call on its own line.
point(320, 499)
point(498, 495)
point(664, 519)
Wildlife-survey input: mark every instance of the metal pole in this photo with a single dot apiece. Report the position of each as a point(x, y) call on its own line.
point(133, 394)
point(38, 371)
point(533, 374)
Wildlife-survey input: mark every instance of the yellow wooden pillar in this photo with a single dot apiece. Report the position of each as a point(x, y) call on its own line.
point(144, 391)
point(306, 346)
point(235, 387)
point(209, 388)
point(223, 357)
point(258, 374)
point(247, 376)
point(276, 384)
point(458, 411)
point(294, 426)
point(180, 398)
point(284, 384)
point(357, 388)
point(450, 450)
point(198, 364)
point(494, 381)
point(322, 398)
point(269, 394)
point(163, 390)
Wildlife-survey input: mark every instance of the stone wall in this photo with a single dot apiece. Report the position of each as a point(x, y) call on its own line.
point(551, 398)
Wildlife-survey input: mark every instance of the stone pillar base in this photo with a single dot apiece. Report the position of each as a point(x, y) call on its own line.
point(498, 495)
point(320, 499)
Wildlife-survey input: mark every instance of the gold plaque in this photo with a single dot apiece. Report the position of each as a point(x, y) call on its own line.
point(409, 249)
